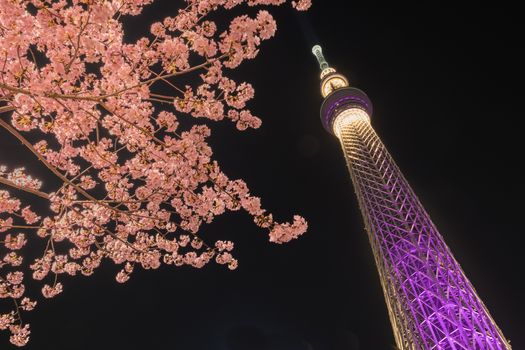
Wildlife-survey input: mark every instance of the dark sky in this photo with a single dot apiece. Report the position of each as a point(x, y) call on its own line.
point(446, 86)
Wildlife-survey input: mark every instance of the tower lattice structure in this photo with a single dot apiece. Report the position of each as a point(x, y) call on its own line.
point(430, 301)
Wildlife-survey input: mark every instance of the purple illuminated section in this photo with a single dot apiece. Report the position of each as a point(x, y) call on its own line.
point(431, 303)
point(340, 100)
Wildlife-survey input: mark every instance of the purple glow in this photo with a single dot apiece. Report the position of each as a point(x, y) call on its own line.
point(431, 303)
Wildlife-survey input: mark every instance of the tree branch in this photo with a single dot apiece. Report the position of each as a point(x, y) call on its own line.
point(10, 183)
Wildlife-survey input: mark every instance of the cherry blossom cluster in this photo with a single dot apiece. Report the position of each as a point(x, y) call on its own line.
point(20, 178)
point(131, 185)
point(12, 285)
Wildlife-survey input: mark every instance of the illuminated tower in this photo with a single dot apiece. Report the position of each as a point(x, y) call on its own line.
point(430, 301)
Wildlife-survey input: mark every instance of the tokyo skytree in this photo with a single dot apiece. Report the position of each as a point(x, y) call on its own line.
point(430, 301)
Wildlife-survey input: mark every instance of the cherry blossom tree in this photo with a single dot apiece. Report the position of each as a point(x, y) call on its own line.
point(130, 185)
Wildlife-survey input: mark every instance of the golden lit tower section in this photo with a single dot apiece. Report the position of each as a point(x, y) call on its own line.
point(430, 301)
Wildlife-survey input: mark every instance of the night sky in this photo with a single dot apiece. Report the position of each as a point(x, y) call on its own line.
point(447, 93)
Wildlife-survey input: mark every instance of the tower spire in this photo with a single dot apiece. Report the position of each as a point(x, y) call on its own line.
point(330, 79)
point(430, 301)
point(318, 52)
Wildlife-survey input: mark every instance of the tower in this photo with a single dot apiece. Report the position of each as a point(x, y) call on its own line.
point(430, 301)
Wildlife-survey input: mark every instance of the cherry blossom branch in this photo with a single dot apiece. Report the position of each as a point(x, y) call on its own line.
point(56, 172)
point(10, 183)
point(91, 98)
point(20, 226)
point(4, 109)
point(83, 27)
point(28, 145)
point(113, 94)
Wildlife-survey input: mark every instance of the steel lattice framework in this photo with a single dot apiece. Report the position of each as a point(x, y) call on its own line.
point(430, 301)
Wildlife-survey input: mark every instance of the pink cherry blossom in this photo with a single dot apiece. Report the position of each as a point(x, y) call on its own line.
point(27, 304)
point(282, 233)
point(302, 5)
point(51, 291)
point(134, 179)
point(122, 277)
point(6, 320)
point(19, 334)
point(14, 242)
point(29, 216)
